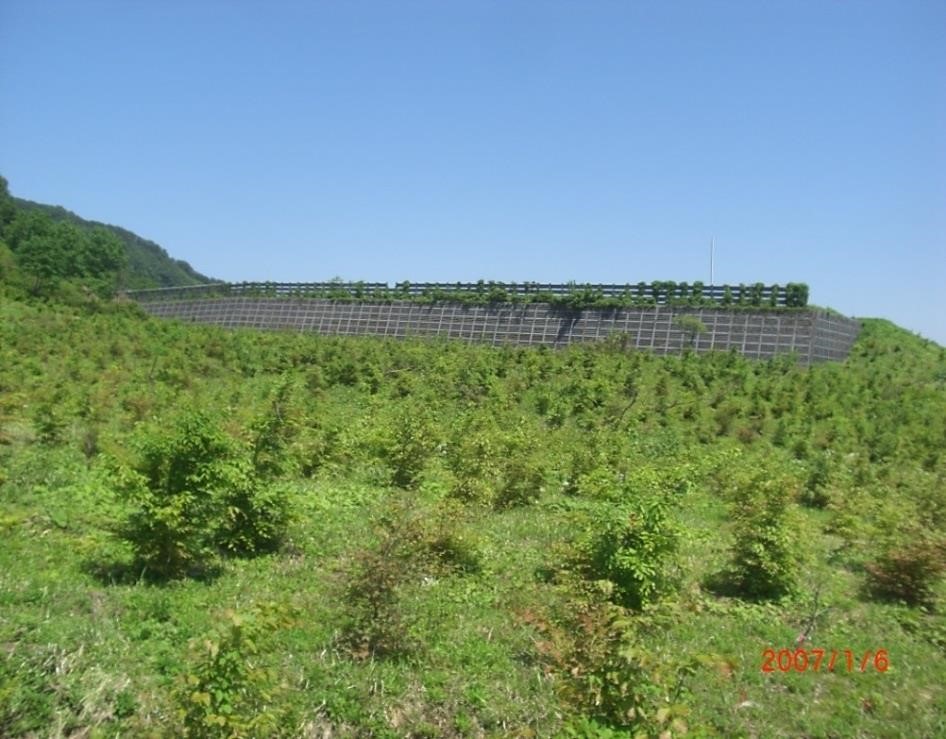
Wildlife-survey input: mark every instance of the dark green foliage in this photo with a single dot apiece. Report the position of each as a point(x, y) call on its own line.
point(48, 253)
point(742, 294)
point(796, 295)
point(696, 294)
point(575, 296)
point(774, 295)
point(144, 264)
point(755, 294)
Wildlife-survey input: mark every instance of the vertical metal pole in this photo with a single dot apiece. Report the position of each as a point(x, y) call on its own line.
point(712, 271)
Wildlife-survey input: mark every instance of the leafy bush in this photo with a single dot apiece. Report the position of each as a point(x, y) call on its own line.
point(413, 541)
point(49, 422)
point(412, 444)
point(907, 570)
point(607, 675)
point(691, 326)
point(272, 432)
point(633, 546)
point(524, 472)
point(226, 691)
point(195, 493)
point(796, 295)
point(375, 627)
point(255, 515)
point(765, 556)
point(473, 457)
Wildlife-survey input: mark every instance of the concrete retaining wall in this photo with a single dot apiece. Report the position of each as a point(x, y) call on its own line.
point(814, 336)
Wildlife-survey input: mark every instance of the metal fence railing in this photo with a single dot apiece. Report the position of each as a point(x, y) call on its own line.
point(660, 293)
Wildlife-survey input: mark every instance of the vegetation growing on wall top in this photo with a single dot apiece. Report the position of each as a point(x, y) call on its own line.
point(570, 295)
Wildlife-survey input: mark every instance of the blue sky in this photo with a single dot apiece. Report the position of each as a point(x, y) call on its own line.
point(465, 139)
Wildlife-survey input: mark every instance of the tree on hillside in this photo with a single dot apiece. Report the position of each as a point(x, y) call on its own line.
point(48, 252)
point(7, 208)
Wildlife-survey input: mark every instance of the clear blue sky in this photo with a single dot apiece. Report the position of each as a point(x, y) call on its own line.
point(460, 139)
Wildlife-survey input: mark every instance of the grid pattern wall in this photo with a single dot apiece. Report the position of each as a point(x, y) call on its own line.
point(756, 334)
point(833, 337)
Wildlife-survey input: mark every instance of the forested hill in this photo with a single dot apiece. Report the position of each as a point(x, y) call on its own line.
point(148, 264)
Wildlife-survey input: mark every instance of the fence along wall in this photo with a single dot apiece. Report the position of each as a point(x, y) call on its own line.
point(659, 293)
point(814, 336)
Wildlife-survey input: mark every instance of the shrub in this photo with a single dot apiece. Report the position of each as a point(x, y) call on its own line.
point(375, 627)
point(606, 674)
point(524, 473)
point(272, 432)
point(774, 295)
point(696, 293)
point(755, 293)
point(742, 296)
point(796, 295)
point(523, 481)
point(907, 572)
point(474, 460)
point(691, 326)
point(48, 422)
point(412, 444)
point(765, 555)
point(633, 547)
point(226, 690)
point(255, 515)
point(176, 488)
point(195, 493)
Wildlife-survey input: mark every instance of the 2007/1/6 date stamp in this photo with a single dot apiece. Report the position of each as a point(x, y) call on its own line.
point(832, 660)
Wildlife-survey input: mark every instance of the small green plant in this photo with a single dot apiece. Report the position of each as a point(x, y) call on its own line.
point(412, 444)
point(524, 473)
point(608, 676)
point(692, 328)
point(272, 432)
point(226, 690)
point(474, 460)
point(176, 489)
point(375, 627)
point(255, 515)
point(49, 422)
point(633, 547)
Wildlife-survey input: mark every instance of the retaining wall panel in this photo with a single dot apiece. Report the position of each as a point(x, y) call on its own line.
point(813, 336)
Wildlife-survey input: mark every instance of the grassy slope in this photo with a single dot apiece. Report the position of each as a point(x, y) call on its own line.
point(85, 644)
point(149, 265)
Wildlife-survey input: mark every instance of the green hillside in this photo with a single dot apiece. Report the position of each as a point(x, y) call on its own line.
point(145, 263)
point(241, 534)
